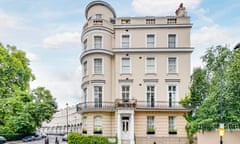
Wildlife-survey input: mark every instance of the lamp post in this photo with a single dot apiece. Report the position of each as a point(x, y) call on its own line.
point(67, 116)
point(221, 125)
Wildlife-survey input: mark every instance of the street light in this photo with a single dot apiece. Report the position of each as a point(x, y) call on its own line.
point(221, 125)
point(67, 116)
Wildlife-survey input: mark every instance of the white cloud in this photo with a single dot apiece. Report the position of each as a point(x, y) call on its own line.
point(32, 57)
point(65, 86)
point(9, 21)
point(208, 36)
point(162, 7)
point(66, 39)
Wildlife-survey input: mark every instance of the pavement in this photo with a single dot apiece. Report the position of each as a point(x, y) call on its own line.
point(42, 141)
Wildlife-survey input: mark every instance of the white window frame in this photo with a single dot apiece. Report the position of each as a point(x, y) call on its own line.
point(129, 42)
point(85, 68)
point(177, 93)
point(84, 122)
point(173, 124)
point(99, 16)
point(93, 94)
point(155, 93)
point(93, 41)
point(97, 124)
point(146, 65)
point(175, 40)
point(130, 66)
point(150, 122)
point(176, 65)
point(93, 68)
point(121, 92)
point(146, 40)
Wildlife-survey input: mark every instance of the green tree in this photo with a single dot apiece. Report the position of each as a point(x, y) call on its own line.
point(22, 110)
point(204, 97)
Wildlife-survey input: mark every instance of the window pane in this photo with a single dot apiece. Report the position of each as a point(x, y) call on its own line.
point(172, 65)
point(98, 96)
point(150, 122)
point(85, 44)
point(125, 92)
point(171, 122)
point(150, 65)
point(85, 68)
point(98, 66)
point(150, 41)
point(125, 65)
point(150, 96)
point(97, 42)
point(98, 123)
point(172, 95)
point(172, 41)
point(125, 41)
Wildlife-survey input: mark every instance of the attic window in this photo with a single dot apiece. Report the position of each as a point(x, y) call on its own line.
point(125, 21)
point(98, 16)
point(150, 21)
point(172, 21)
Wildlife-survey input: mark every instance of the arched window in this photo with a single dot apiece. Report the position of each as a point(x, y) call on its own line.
point(98, 125)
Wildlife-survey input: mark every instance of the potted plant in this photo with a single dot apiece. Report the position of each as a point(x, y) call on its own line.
point(97, 131)
point(84, 130)
point(172, 131)
point(150, 131)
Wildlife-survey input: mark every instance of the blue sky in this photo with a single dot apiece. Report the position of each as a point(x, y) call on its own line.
point(49, 32)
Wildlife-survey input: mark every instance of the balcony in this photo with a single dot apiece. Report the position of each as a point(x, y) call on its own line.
point(130, 104)
point(95, 106)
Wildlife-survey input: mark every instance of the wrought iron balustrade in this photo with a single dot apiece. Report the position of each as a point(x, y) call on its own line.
point(129, 103)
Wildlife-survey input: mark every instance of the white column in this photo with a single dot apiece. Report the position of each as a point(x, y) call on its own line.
point(119, 128)
point(132, 129)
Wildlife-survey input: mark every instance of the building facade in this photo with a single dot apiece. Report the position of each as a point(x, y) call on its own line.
point(135, 70)
point(63, 117)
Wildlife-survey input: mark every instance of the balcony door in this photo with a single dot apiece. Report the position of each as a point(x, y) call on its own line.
point(150, 95)
point(125, 93)
point(172, 95)
point(98, 96)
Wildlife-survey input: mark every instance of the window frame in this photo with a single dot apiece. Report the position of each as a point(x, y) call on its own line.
point(176, 84)
point(85, 68)
point(150, 95)
point(150, 122)
point(123, 43)
point(94, 71)
point(147, 65)
point(85, 45)
point(97, 124)
point(99, 102)
point(95, 44)
point(124, 92)
point(152, 43)
point(122, 66)
point(176, 65)
point(170, 42)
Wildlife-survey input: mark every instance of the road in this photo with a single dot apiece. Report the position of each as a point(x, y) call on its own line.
point(42, 141)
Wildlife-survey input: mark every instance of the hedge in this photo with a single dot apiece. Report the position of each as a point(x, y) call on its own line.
point(76, 138)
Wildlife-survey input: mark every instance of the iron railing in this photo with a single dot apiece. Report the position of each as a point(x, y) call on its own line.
point(129, 103)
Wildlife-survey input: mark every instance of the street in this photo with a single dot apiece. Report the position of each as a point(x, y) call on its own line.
point(42, 141)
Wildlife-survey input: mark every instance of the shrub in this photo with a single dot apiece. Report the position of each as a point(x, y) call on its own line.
point(76, 138)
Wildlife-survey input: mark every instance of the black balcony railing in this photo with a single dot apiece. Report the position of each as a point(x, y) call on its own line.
point(129, 103)
point(92, 106)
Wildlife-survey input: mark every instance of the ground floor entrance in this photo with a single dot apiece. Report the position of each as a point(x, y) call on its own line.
point(125, 126)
